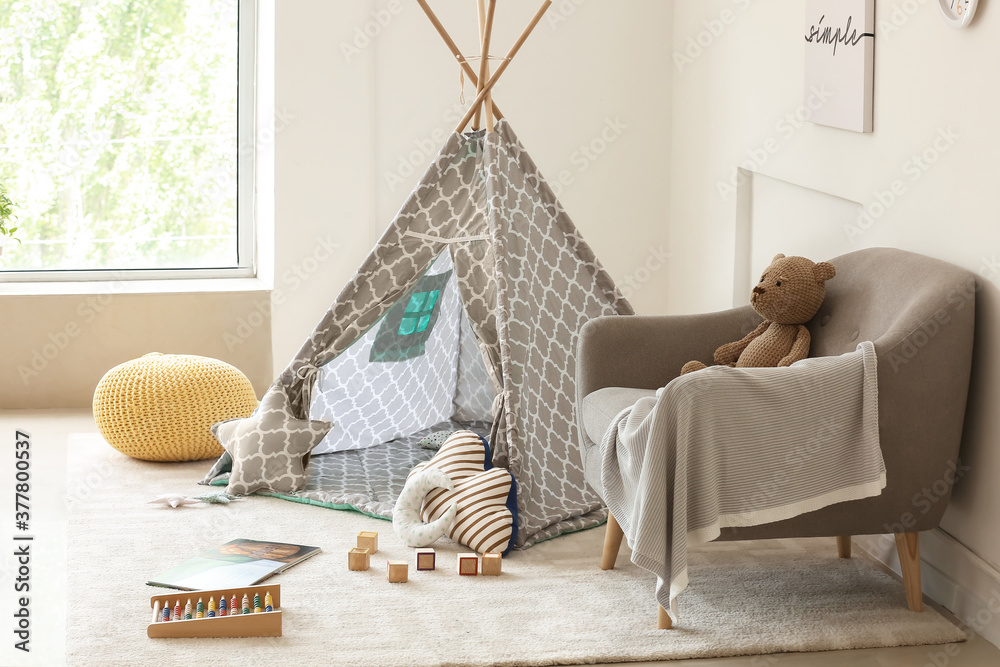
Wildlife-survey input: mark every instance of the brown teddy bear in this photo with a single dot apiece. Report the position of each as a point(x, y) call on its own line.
point(788, 295)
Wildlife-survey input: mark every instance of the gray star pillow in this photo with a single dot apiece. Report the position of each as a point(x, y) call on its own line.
point(270, 448)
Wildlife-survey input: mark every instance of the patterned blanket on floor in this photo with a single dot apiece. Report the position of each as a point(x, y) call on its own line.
point(368, 480)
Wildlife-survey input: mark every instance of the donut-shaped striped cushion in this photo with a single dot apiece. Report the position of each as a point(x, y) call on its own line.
point(486, 496)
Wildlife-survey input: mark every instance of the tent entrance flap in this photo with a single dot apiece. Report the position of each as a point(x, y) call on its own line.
point(407, 373)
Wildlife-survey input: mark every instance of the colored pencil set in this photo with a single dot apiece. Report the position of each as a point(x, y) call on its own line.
point(223, 608)
point(248, 612)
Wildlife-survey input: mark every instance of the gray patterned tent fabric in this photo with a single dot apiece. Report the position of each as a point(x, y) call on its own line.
point(481, 257)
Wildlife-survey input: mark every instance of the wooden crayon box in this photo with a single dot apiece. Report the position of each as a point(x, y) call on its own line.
point(264, 624)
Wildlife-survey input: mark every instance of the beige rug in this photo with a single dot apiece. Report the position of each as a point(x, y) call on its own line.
point(553, 604)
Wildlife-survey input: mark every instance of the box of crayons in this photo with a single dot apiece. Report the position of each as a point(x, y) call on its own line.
point(252, 611)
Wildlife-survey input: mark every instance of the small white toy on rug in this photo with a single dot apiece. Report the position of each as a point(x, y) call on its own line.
point(173, 500)
point(406, 521)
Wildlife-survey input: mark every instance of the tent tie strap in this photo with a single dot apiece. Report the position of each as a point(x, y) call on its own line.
point(307, 373)
point(464, 60)
point(438, 239)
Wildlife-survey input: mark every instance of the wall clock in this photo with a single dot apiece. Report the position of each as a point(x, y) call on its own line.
point(958, 13)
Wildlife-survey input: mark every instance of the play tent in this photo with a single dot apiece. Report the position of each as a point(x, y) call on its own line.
point(466, 312)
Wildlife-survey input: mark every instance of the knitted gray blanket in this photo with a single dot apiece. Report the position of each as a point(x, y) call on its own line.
point(727, 447)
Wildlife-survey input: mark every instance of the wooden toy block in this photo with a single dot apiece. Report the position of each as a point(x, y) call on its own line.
point(468, 564)
point(492, 564)
point(426, 559)
point(368, 540)
point(263, 624)
point(398, 571)
point(358, 560)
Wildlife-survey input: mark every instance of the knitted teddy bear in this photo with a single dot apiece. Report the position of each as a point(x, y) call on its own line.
point(788, 295)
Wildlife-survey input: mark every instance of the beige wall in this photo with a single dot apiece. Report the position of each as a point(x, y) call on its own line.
point(933, 96)
point(364, 124)
point(57, 348)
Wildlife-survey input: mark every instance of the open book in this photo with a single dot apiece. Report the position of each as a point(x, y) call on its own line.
point(234, 564)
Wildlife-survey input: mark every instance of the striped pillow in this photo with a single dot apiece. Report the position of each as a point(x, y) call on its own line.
point(486, 496)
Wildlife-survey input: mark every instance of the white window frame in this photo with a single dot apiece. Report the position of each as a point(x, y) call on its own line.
point(246, 184)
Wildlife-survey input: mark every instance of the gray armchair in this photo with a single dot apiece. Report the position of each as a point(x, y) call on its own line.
point(918, 311)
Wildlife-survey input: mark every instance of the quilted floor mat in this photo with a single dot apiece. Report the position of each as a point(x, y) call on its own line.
point(367, 480)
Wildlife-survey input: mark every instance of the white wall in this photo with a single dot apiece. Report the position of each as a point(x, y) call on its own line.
point(930, 81)
point(354, 117)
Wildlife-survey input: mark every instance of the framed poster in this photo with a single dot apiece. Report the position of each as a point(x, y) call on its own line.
point(840, 61)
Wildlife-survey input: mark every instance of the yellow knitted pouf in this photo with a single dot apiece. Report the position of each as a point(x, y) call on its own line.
point(161, 407)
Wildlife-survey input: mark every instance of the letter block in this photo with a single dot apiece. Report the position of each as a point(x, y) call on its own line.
point(426, 559)
point(492, 564)
point(397, 571)
point(358, 560)
point(468, 564)
point(368, 540)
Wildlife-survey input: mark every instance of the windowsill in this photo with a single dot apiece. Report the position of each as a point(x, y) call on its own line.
point(180, 286)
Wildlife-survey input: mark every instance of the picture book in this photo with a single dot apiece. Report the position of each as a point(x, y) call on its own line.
point(237, 563)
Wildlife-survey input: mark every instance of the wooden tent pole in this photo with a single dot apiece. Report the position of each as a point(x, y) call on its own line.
point(503, 65)
point(450, 43)
point(481, 11)
point(488, 104)
point(485, 32)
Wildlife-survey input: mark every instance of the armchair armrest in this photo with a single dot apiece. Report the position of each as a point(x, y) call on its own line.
point(647, 352)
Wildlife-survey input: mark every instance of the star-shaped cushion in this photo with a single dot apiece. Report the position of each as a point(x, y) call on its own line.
point(486, 496)
point(270, 448)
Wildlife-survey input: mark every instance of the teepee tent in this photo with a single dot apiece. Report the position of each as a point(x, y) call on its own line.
point(466, 311)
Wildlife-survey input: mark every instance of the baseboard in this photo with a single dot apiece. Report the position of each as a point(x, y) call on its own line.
point(951, 575)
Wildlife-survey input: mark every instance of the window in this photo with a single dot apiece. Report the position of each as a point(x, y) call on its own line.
point(407, 326)
point(126, 137)
point(417, 314)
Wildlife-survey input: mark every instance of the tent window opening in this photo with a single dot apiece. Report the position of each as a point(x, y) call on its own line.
point(408, 325)
point(417, 315)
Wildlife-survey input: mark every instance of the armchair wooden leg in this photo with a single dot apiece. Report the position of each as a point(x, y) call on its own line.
point(663, 621)
point(844, 546)
point(612, 543)
point(908, 547)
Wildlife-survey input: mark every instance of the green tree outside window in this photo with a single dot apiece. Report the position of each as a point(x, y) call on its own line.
point(118, 131)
